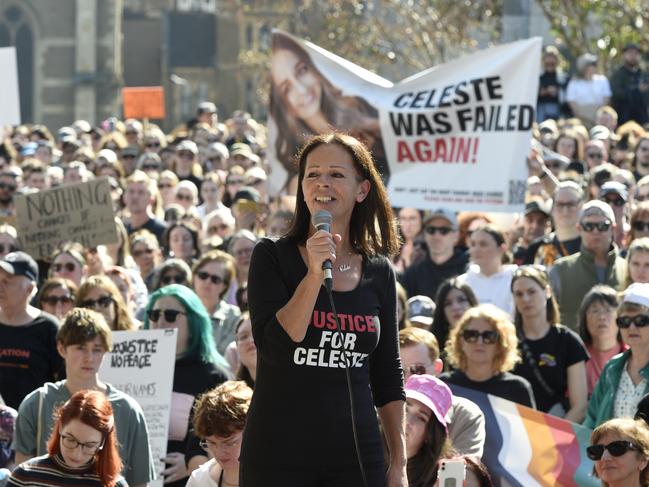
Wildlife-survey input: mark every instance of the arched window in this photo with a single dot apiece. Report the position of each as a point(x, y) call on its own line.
point(15, 30)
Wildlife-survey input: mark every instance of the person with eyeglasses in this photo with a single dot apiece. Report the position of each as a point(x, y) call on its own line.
point(28, 356)
point(146, 253)
point(57, 296)
point(553, 356)
point(564, 240)
point(82, 449)
point(444, 260)
point(151, 164)
point(617, 196)
point(186, 194)
point(219, 223)
point(625, 378)
point(620, 450)
point(68, 262)
point(82, 341)
point(597, 262)
point(172, 271)
point(639, 223)
point(212, 275)
point(483, 350)
point(198, 368)
point(419, 353)
point(595, 153)
point(100, 294)
point(219, 419)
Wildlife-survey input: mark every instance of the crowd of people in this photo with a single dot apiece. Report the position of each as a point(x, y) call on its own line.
point(549, 309)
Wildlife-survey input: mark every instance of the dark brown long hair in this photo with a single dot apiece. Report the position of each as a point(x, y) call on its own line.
point(92, 409)
point(374, 211)
point(341, 112)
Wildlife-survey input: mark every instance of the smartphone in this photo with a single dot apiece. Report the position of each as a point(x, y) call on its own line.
point(452, 473)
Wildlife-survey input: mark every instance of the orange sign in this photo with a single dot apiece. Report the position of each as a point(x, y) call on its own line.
point(143, 102)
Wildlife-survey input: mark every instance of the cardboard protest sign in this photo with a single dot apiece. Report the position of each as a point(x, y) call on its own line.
point(456, 135)
point(143, 102)
point(81, 212)
point(142, 365)
point(9, 94)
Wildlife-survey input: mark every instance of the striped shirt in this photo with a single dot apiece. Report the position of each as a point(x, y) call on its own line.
point(51, 471)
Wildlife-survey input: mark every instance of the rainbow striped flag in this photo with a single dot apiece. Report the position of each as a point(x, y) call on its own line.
point(528, 448)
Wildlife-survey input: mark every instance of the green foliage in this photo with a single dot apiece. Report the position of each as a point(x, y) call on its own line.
point(602, 27)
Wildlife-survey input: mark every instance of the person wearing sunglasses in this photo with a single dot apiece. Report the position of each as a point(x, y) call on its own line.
point(639, 222)
point(83, 445)
point(219, 418)
point(620, 450)
point(146, 253)
point(617, 196)
point(212, 275)
point(172, 271)
point(187, 195)
point(419, 353)
point(597, 262)
point(198, 368)
point(57, 296)
point(440, 230)
point(82, 341)
point(625, 378)
point(483, 349)
point(100, 294)
point(553, 356)
point(69, 262)
point(167, 183)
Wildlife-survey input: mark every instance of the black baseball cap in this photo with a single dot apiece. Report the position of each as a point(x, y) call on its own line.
point(20, 264)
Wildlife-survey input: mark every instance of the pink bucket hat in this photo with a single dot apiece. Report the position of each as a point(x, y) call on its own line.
point(432, 393)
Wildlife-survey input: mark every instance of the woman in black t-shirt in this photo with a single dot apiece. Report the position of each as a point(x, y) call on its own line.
point(554, 357)
point(483, 349)
point(299, 427)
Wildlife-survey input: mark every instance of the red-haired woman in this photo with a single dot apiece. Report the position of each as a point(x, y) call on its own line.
point(82, 449)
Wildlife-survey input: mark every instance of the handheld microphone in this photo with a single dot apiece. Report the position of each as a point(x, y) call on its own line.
point(322, 221)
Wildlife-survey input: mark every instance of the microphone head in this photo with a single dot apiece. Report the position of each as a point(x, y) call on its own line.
point(321, 217)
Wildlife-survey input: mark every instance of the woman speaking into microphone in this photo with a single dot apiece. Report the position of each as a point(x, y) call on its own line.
point(300, 429)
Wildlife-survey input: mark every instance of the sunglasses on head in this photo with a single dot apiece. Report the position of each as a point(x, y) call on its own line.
point(615, 448)
point(7, 248)
point(170, 315)
point(600, 226)
point(639, 321)
point(175, 278)
point(203, 276)
point(103, 302)
point(54, 300)
point(640, 226)
point(68, 266)
point(430, 230)
point(488, 337)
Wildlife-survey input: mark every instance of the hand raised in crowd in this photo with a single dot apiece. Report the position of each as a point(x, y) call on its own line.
point(177, 468)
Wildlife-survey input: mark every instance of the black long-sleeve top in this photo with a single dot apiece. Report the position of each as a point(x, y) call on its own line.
point(300, 411)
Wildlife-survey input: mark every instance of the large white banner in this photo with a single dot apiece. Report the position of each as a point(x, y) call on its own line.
point(9, 97)
point(456, 135)
point(142, 365)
